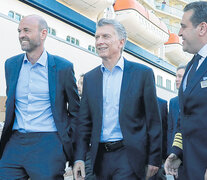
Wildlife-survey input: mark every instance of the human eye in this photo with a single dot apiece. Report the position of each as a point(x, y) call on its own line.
point(96, 37)
point(26, 30)
point(183, 26)
point(106, 36)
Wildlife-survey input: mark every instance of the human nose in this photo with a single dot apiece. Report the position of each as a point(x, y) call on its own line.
point(21, 34)
point(99, 40)
point(180, 32)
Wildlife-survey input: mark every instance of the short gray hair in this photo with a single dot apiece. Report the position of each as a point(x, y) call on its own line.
point(199, 12)
point(120, 29)
point(42, 24)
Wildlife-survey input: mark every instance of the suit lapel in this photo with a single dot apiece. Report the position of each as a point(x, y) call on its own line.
point(99, 93)
point(52, 79)
point(180, 92)
point(196, 78)
point(15, 74)
point(125, 84)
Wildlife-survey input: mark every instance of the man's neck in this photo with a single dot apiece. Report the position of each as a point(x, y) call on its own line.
point(34, 56)
point(110, 63)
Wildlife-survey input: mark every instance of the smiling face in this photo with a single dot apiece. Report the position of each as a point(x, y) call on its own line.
point(30, 35)
point(190, 34)
point(107, 43)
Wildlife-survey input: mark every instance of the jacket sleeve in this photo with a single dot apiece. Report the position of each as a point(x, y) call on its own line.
point(177, 146)
point(153, 120)
point(72, 98)
point(170, 129)
point(84, 126)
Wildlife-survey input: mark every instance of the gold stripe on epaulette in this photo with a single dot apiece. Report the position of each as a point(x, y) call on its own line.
point(178, 140)
point(177, 144)
point(179, 135)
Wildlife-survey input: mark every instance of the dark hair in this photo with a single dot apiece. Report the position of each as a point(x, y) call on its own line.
point(199, 12)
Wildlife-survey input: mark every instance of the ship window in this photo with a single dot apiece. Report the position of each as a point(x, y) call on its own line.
point(77, 42)
point(51, 31)
point(73, 40)
point(92, 48)
point(17, 17)
point(11, 14)
point(168, 84)
point(175, 88)
point(68, 38)
point(89, 47)
point(159, 80)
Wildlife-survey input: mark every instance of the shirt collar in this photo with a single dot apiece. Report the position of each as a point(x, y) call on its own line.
point(42, 60)
point(119, 64)
point(203, 51)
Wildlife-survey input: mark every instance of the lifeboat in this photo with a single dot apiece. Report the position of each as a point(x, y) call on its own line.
point(174, 51)
point(89, 8)
point(142, 26)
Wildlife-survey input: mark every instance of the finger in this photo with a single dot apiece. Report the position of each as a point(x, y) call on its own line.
point(76, 170)
point(156, 170)
point(82, 171)
point(173, 172)
point(75, 173)
point(176, 173)
point(151, 172)
point(166, 167)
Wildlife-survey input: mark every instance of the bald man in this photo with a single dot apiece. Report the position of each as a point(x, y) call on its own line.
point(41, 109)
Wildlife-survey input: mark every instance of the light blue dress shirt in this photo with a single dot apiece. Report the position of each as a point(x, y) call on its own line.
point(203, 54)
point(112, 81)
point(32, 104)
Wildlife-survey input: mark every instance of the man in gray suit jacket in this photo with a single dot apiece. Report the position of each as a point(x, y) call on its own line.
point(119, 113)
point(41, 109)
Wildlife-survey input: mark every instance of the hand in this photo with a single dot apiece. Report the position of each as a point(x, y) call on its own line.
point(205, 176)
point(172, 164)
point(79, 170)
point(151, 171)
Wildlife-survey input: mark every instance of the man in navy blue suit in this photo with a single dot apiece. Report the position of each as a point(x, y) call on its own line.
point(174, 109)
point(119, 113)
point(190, 140)
point(163, 112)
point(41, 109)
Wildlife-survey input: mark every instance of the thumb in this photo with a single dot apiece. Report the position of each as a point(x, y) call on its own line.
point(172, 156)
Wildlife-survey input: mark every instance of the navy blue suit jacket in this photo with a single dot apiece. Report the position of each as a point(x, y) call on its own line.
point(163, 113)
point(172, 121)
point(193, 124)
point(63, 97)
point(138, 116)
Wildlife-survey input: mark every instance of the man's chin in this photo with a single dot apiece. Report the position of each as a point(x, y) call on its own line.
point(26, 49)
point(103, 56)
